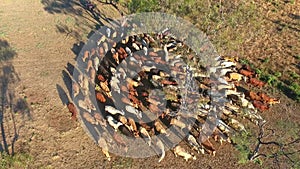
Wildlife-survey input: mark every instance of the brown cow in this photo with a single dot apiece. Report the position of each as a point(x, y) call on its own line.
point(261, 106)
point(101, 78)
point(209, 147)
point(246, 73)
point(72, 110)
point(253, 96)
point(247, 67)
point(267, 99)
point(256, 82)
point(100, 97)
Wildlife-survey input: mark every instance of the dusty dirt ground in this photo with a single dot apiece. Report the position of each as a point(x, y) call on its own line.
point(46, 38)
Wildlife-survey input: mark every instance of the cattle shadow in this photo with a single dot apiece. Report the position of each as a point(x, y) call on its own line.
point(77, 48)
point(62, 95)
point(79, 12)
point(67, 76)
point(285, 87)
point(6, 52)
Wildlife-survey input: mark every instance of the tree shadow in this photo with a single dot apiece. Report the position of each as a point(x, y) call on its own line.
point(64, 29)
point(293, 16)
point(6, 52)
point(10, 103)
point(80, 13)
point(114, 4)
point(286, 24)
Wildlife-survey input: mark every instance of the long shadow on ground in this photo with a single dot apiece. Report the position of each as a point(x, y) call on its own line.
point(10, 103)
point(79, 12)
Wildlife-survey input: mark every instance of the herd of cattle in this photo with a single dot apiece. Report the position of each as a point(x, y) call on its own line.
point(145, 84)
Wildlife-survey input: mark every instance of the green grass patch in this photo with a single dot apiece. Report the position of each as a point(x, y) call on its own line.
point(44, 74)
point(266, 60)
point(271, 79)
point(222, 22)
point(242, 142)
point(2, 34)
point(244, 61)
point(275, 79)
point(258, 161)
point(218, 19)
point(292, 91)
point(137, 6)
point(294, 75)
point(295, 87)
point(70, 20)
point(291, 129)
point(40, 45)
point(122, 163)
point(20, 160)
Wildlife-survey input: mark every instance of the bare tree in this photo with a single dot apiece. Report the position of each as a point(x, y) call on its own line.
point(284, 149)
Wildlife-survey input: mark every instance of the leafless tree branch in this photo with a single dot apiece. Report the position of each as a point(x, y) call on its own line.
point(282, 147)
